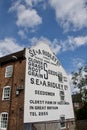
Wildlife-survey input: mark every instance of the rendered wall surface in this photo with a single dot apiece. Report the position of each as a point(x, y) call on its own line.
point(47, 93)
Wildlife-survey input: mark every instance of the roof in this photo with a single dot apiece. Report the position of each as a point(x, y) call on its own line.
point(13, 57)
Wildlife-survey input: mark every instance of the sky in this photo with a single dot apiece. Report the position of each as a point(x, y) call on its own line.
point(60, 23)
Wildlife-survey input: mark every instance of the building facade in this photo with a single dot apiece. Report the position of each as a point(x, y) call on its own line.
point(12, 75)
point(12, 94)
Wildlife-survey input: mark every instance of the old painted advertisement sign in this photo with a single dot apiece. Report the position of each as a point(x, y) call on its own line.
point(47, 90)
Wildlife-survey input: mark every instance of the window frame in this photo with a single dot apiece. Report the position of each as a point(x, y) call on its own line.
point(3, 122)
point(8, 71)
point(62, 122)
point(5, 96)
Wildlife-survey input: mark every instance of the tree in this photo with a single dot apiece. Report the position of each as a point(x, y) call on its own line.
point(79, 80)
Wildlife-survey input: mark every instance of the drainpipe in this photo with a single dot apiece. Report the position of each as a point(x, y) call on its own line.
point(14, 58)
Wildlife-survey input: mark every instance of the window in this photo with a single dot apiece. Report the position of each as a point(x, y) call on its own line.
point(62, 122)
point(9, 71)
point(60, 77)
point(6, 93)
point(3, 120)
point(62, 96)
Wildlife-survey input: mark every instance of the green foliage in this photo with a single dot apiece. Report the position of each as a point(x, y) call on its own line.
point(79, 80)
point(84, 97)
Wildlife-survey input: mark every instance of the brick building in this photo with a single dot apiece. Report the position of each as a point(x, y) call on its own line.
point(12, 86)
point(12, 75)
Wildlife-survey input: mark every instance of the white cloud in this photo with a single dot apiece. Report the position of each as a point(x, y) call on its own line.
point(22, 34)
point(56, 47)
point(71, 43)
point(33, 41)
point(33, 3)
point(14, 6)
point(29, 2)
point(70, 13)
point(80, 40)
point(53, 44)
point(26, 17)
point(9, 45)
point(77, 62)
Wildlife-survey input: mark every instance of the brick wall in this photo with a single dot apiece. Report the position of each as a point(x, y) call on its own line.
point(15, 105)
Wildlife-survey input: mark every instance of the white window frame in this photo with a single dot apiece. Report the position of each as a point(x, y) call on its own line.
point(3, 121)
point(9, 71)
point(62, 121)
point(4, 95)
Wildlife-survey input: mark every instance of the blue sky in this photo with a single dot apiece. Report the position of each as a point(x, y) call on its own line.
point(60, 23)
